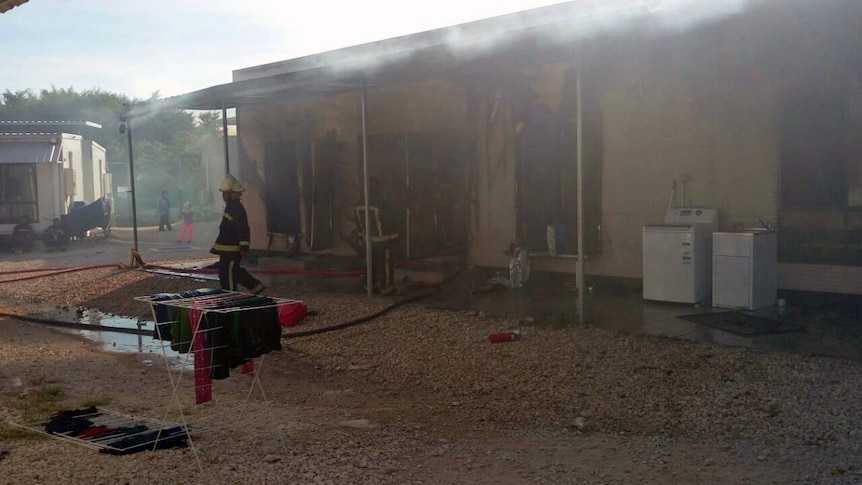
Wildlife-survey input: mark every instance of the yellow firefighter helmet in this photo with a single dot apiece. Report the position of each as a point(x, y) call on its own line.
point(231, 184)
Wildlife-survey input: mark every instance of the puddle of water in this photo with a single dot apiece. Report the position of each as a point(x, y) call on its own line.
point(827, 331)
point(153, 351)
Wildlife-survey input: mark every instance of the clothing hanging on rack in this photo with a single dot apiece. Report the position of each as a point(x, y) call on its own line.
point(236, 338)
point(223, 329)
point(202, 361)
point(166, 315)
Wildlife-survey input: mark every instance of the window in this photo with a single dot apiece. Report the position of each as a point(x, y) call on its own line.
point(821, 178)
point(18, 193)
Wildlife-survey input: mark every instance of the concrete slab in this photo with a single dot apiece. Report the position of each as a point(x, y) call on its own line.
point(832, 324)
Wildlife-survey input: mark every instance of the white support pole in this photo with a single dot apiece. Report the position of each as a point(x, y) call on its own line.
point(369, 286)
point(580, 262)
point(305, 224)
point(225, 138)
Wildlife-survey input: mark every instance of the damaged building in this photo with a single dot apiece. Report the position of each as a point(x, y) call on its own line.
point(492, 132)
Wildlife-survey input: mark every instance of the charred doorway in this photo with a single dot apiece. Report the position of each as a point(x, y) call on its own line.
point(321, 210)
point(547, 182)
point(281, 169)
point(422, 176)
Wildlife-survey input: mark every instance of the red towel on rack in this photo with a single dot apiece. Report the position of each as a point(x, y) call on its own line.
point(203, 382)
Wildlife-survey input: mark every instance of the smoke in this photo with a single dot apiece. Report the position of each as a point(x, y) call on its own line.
point(559, 24)
point(682, 15)
point(575, 21)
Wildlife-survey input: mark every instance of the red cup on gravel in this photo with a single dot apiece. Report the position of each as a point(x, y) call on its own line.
point(509, 336)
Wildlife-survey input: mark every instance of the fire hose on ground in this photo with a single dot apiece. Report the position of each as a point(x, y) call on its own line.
point(304, 333)
point(435, 289)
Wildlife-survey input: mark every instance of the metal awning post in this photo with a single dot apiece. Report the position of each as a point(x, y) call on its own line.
point(225, 138)
point(369, 286)
point(407, 190)
point(579, 265)
point(132, 184)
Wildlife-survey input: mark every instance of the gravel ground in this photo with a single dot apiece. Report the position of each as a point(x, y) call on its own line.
point(419, 396)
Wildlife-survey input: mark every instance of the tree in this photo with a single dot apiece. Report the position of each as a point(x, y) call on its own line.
point(167, 142)
point(170, 134)
point(209, 124)
point(67, 105)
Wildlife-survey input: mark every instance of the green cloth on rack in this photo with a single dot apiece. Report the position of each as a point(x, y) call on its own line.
point(181, 331)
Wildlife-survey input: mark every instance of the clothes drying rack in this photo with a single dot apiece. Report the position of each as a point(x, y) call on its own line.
point(122, 433)
point(200, 306)
point(113, 432)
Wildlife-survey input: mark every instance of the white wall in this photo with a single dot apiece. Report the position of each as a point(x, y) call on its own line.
point(99, 168)
point(49, 181)
point(73, 157)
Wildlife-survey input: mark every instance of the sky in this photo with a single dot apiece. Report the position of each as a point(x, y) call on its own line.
point(139, 47)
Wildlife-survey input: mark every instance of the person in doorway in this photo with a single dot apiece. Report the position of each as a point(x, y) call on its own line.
point(382, 237)
point(164, 212)
point(55, 237)
point(188, 222)
point(233, 240)
point(22, 236)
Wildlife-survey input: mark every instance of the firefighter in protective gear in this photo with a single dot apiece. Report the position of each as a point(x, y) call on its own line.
point(233, 240)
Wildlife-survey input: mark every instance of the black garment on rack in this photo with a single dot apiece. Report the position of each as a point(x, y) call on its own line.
point(236, 337)
point(70, 425)
point(166, 315)
point(216, 336)
point(88, 411)
point(71, 421)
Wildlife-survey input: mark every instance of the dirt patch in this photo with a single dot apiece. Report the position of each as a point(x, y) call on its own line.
point(420, 396)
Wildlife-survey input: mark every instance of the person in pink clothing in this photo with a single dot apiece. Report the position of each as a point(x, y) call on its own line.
point(188, 222)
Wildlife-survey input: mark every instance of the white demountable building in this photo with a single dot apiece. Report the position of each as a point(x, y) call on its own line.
point(46, 167)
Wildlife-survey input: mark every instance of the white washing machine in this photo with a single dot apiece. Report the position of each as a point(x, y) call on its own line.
point(677, 256)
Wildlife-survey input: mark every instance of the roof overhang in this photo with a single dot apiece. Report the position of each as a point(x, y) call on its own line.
point(399, 60)
point(352, 75)
point(565, 27)
point(38, 125)
point(244, 93)
point(26, 149)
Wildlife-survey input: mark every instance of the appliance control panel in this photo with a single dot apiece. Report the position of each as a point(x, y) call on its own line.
point(691, 215)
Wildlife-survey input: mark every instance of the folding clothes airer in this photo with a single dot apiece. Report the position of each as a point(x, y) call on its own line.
point(223, 330)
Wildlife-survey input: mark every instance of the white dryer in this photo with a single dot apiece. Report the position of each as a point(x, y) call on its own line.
point(677, 256)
